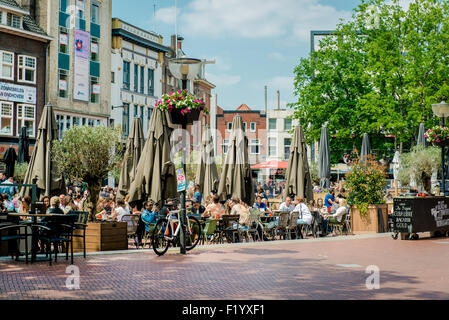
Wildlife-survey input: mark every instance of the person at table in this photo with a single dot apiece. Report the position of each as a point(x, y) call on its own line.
point(337, 216)
point(46, 201)
point(61, 201)
point(197, 208)
point(25, 205)
point(214, 209)
point(267, 207)
point(7, 203)
point(197, 195)
point(119, 211)
point(69, 205)
point(329, 199)
point(305, 216)
point(148, 216)
point(342, 194)
point(286, 206)
point(55, 206)
point(260, 205)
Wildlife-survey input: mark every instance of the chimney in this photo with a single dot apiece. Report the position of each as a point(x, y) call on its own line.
point(266, 99)
point(279, 99)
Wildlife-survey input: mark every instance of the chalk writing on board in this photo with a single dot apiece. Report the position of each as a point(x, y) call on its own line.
point(441, 214)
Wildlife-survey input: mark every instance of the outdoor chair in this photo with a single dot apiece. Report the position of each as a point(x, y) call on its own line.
point(338, 225)
point(292, 226)
point(348, 222)
point(230, 227)
point(208, 232)
point(81, 225)
point(132, 220)
point(55, 231)
point(313, 227)
point(251, 228)
point(10, 232)
point(281, 228)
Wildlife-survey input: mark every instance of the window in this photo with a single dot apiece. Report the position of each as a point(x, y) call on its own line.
point(136, 78)
point(7, 65)
point(63, 83)
point(141, 115)
point(26, 118)
point(142, 80)
point(287, 144)
point(13, 20)
point(272, 124)
point(68, 122)
point(95, 12)
point(27, 69)
point(6, 113)
point(271, 146)
point(125, 119)
point(112, 77)
point(150, 110)
point(75, 122)
point(80, 8)
point(287, 124)
point(245, 126)
point(254, 146)
point(225, 145)
point(126, 75)
point(63, 5)
point(98, 123)
point(150, 82)
point(136, 111)
point(94, 49)
point(83, 121)
point(63, 40)
point(94, 90)
point(229, 126)
point(252, 127)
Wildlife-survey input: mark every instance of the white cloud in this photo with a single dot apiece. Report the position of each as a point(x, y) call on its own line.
point(167, 15)
point(276, 56)
point(282, 83)
point(223, 80)
point(255, 19)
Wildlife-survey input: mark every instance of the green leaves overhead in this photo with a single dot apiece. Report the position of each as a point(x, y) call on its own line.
point(379, 77)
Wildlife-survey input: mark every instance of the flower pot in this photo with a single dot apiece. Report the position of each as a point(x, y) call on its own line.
point(177, 117)
point(369, 223)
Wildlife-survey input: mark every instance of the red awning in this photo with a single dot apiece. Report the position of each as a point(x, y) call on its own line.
point(273, 164)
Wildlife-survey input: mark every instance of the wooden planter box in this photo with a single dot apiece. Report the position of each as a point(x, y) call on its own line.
point(104, 236)
point(370, 222)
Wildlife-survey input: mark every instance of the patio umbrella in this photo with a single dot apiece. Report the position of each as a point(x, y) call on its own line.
point(421, 138)
point(206, 173)
point(236, 177)
point(324, 163)
point(24, 145)
point(42, 167)
point(299, 182)
point(155, 177)
point(396, 165)
point(9, 159)
point(134, 147)
point(366, 147)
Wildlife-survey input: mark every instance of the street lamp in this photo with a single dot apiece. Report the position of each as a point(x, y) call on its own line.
point(442, 110)
point(184, 69)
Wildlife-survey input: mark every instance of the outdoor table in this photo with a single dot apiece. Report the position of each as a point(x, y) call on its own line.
point(34, 233)
point(419, 214)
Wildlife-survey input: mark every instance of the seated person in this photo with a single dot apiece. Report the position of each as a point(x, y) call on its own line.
point(267, 207)
point(214, 209)
point(197, 208)
point(54, 206)
point(287, 206)
point(25, 205)
point(337, 216)
point(148, 216)
point(305, 216)
point(260, 205)
point(119, 211)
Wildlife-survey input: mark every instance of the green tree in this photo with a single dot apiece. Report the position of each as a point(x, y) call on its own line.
point(87, 154)
point(377, 78)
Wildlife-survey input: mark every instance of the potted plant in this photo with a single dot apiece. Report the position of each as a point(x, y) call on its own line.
point(366, 183)
point(420, 164)
point(182, 107)
point(438, 136)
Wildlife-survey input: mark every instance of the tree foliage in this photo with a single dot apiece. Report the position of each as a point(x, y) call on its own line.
point(381, 79)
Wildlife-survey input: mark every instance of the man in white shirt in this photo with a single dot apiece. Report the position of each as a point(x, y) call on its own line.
point(287, 206)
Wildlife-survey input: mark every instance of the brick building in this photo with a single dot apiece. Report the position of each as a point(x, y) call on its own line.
point(23, 47)
point(254, 122)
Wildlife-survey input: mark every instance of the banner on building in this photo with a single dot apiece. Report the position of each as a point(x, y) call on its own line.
point(81, 71)
point(94, 47)
point(63, 85)
point(16, 93)
point(96, 89)
point(63, 39)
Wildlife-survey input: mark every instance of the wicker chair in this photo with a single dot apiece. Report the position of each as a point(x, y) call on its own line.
point(292, 226)
point(281, 228)
point(132, 220)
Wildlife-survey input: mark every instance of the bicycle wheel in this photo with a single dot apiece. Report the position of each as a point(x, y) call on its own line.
point(193, 233)
point(158, 240)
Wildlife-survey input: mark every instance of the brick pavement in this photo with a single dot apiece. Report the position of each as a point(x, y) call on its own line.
point(327, 268)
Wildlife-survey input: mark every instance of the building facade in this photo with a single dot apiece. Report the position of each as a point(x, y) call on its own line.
point(254, 123)
point(79, 60)
point(137, 68)
point(23, 48)
point(279, 134)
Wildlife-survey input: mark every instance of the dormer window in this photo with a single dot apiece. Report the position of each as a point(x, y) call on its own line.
point(14, 20)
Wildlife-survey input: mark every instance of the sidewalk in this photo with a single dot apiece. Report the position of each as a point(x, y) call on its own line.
point(326, 268)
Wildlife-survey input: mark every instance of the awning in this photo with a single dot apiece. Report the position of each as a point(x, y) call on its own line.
point(273, 164)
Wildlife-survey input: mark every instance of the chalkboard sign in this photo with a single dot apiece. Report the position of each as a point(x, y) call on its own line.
point(402, 218)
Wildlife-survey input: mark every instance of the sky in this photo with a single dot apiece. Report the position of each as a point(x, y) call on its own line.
point(255, 43)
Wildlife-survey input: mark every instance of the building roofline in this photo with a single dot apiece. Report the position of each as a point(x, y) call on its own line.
point(140, 29)
point(13, 9)
point(139, 40)
point(25, 33)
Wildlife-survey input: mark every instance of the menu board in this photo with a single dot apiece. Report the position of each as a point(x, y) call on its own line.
point(402, 218)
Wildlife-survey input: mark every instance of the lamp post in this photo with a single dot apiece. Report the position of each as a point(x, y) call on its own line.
point(442, 110)
point(185, 69)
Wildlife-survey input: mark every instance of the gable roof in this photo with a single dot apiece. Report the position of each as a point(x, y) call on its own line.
point(243, 107)
point(29, 24)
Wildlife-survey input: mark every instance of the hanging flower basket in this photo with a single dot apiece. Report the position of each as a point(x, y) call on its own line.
point(181, 107)
point(438, 136)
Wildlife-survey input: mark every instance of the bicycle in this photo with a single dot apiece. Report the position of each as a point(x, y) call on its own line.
point(163, 234)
